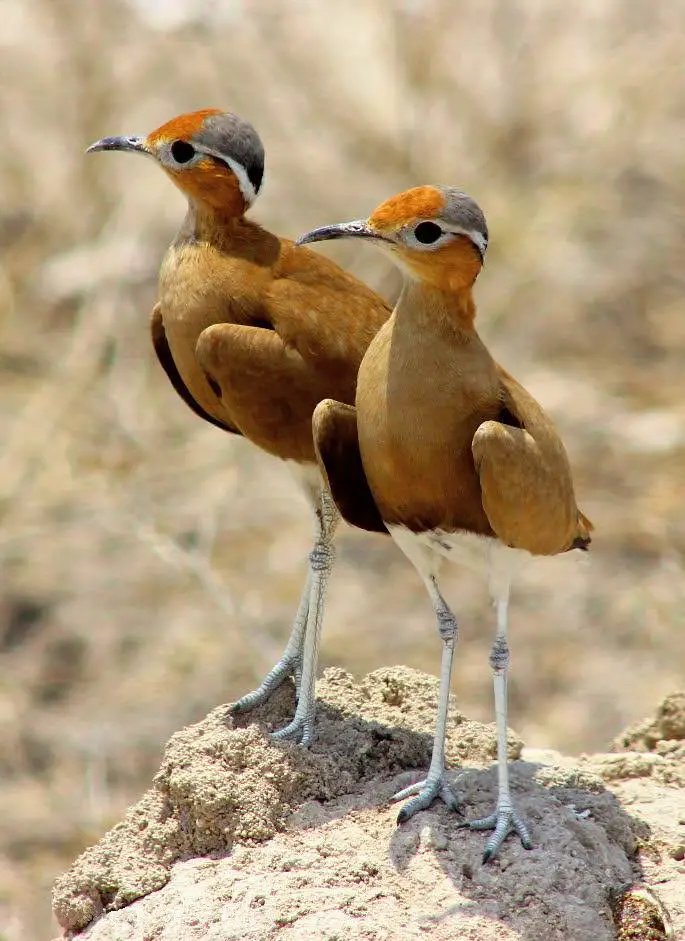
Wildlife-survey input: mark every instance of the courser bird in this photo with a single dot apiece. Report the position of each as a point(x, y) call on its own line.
point(459, 460)
point(252, 333)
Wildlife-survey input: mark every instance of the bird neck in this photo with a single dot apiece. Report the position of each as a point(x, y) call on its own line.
point(204, 223)
point(425, 307)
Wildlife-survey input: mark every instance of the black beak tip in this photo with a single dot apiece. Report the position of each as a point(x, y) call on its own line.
point(322, 234)
point(303, 239)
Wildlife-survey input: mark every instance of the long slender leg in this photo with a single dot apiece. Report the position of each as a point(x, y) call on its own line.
point(290, 663)
point(505, 819)
point(435, 784)
point(321, 561)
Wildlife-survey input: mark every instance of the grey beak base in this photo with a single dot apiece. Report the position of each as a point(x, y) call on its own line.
point(118, 143)
point(357, 229)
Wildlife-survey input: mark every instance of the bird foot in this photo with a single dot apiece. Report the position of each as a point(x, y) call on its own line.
point(432, 788)
point(504, 821)
point(300, 730)
point(288, 665)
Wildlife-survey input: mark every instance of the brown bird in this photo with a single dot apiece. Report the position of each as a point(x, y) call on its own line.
point(457, 458)
point(253, 332)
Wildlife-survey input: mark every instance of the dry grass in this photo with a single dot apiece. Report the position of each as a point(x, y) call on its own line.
point(150, 565)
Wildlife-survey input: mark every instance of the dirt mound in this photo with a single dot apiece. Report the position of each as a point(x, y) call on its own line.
point(245, 839)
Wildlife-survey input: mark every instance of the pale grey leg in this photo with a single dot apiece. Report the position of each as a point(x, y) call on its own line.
point(435, 784)
point(290, 663)
point(320, 564)
point(505, 819)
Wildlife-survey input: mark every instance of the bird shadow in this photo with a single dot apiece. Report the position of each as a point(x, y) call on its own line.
point(584, 847)
point(584, 842)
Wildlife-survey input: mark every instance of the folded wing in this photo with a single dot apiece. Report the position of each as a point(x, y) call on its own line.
point(525, 477)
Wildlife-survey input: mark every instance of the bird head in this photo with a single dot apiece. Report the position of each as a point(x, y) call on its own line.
point(214, 157)
point(436, 234)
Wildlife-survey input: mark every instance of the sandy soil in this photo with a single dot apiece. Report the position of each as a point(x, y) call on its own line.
point(239, 838)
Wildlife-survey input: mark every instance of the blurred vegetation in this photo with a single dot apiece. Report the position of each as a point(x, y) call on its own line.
point(150, 565)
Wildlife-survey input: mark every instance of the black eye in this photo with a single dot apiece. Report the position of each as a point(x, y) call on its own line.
point(427, 232)
point(182, 151)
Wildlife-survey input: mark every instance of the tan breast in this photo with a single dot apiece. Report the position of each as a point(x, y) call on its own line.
point(419, 404)
point(260, 332)
point(199, 287)
point(450, 441)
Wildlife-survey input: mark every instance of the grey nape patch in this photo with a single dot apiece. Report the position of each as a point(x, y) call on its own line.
point(237, 139)
point(463, 211)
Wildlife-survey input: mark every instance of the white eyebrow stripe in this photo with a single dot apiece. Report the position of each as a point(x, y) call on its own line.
point(244, 182)
point(478, 238)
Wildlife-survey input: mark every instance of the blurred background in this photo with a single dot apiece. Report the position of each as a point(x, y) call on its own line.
point(151, 565)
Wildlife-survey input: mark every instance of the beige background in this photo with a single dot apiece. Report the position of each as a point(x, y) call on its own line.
point(150, 565)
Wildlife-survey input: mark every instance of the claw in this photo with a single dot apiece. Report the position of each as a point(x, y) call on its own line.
point(447, 796)
point(300, 730)
point(301, 727)
point(432, 788)
point(504, 821)
point(286, 666)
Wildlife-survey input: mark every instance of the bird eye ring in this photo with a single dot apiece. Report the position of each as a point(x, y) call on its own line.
point(182, 151)
point(427, 232)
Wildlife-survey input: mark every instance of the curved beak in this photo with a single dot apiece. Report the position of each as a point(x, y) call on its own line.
point(359, 229)
point(136, 144)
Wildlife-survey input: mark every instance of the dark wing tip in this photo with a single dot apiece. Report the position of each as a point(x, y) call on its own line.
point(335, 439)
point(581, 542)
point(166, 360)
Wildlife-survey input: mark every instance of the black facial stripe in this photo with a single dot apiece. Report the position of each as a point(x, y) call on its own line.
point(228, 135)
point(479, 251)
point(255, 175)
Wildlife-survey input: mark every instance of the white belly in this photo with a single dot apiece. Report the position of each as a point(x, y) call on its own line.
point(428, 549)
point(309, 479)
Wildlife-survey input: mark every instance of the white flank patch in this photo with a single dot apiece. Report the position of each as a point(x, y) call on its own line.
point(483, 554)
